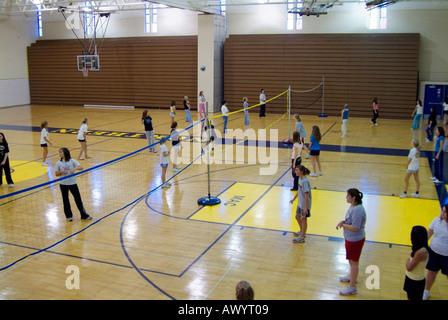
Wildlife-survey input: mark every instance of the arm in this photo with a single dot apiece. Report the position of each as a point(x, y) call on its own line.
point(307, 199)
point(295, 197)
point(440, 149)
point(430, 233)
point(418, 257)
point(45, 138)
point(342, 224)
point(4, 159)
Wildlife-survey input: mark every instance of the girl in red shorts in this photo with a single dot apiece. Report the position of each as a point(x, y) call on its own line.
point(354, 234)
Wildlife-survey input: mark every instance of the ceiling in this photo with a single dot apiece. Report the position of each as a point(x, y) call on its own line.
point(30, 7)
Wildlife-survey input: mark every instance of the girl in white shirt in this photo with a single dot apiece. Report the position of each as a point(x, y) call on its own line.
point(225, 117)
point(44, 141)
point(438, 250)
point(82, 138)
point(413, 166)
point(417, 114)
point(296, 158)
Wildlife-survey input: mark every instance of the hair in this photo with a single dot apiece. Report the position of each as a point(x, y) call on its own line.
point(201, 93)
point(145, 113)
point(84, 120)
point(261, 90)
point(244, 291)
point(375, 100)
point(304, 169)
point(316, 133)
point(419, 102)
point(44, 124)
point(346, 106)
point(296, 137)
point(4, 139)
point(441, 131)
point(416, 144)
point(419, 239)
point(173, 102)
point(224, 102)
point(174, 125)
point(353, 192)
point(297, 117)
point(446, 209)
point(66, 152)
point(244, 99)
point(433, 110)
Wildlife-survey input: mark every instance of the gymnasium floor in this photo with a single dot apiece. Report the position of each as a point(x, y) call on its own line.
point(151, 243)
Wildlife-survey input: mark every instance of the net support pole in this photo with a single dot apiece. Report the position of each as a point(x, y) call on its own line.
point(289, 112)
point(323, 115)
point(209, 200)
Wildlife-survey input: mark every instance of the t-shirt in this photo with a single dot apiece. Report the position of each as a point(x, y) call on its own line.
point(186, 103)
point(262, 98)
point(415, 162)
point(148, 123)
point(174, 137)
point(82, 129)
point(356, 217)
point(304, 186)
point(445, 106)
point(296, 147)
point(224, 110)
point(67, 166)
point(164, 159)
point(439, 242)
point(43, 134)
point(419, 109)
point(315, 145)
point(437, 146)
point(345, 114)
point(4, 149)
point(301, 129)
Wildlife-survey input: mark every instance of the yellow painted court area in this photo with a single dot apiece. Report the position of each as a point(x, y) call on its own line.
point(389, 219)
point(26, 170)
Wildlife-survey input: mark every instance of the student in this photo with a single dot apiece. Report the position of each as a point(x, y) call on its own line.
point(413, 166)
point(262, 104)
point(432, 123)
point(82, 138)
point(44, 141)
point(438, 159)
point(201, 108)
point(344, 120)
point(375, 109)
point(164, 161)
point(187, 109)
point(303, 203)
point(417, 114)
point(300, 127)
point(176, 145)
point(445, 111)
point(225, 117)
point(244, 291)
point(354, 233)
point(246, 111)
point(172, 110)
point(296, 158)
point(4, 161)
point(149, 131)
point(315, 150)
point(438, 250)
point(66, 167)
point(414, 283)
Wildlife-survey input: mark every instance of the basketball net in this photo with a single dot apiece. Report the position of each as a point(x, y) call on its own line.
point(85, 72)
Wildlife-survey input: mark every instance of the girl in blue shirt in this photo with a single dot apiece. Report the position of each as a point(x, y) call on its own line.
point(315, 150)
point(438, 150)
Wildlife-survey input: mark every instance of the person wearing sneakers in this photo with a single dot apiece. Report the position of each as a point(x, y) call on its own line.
point(413, 166)
point(82, 138)
point(66, 167)
point(4, 161)
point(355, 236)
point(44, 141)
point(303, 203)
point(438, 155)
point(314, 149)
point(164, 161)
point(176, 145)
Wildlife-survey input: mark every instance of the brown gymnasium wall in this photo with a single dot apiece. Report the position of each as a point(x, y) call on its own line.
point(356, 67)
point(138, 71)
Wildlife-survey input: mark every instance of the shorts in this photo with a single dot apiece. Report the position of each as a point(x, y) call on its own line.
point(300, 213)
point(437, 262)
point(412, 171)
point(171, 114)
point(314, 152)
point(80, 140)
point(353, 249)
point(414, 288)
point(165, 165)
point(44, 145)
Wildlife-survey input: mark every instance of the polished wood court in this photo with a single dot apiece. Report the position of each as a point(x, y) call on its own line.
point(146, 242)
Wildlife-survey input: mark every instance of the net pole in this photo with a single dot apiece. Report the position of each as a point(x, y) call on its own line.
point(289, 112)
point(208, 201)
point(323, 115)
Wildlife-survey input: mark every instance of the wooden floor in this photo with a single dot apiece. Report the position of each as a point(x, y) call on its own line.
point(151, 243)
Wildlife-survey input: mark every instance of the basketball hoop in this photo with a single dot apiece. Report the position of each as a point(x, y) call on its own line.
point(85, 72)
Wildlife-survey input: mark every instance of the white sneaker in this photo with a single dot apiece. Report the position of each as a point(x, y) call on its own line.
point(11, 185)
point(425, 295)
point(348, 291)
point(437, 181)
point(44, 164)
point(313, 175)
point(166, 185)
point(403, 195)
point(320, 173)
point(433, 178)
point(415, 195)
point(308, 156)
point(176, 169)
point(345, 278)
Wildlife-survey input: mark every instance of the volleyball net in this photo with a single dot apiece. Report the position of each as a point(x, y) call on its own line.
point(32, 220)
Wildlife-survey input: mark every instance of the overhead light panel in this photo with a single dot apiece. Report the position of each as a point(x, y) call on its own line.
point(379, 4)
